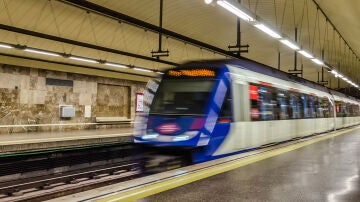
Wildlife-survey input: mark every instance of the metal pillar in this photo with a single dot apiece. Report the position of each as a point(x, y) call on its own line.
point(295, 71)
point(160, 53)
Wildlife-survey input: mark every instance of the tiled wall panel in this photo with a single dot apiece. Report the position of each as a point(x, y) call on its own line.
point(25, 99)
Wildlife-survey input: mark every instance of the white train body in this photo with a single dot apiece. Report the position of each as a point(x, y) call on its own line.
point(265, 106)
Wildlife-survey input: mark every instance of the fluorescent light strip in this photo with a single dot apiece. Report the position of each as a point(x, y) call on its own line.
point(41, 52)
point(83, 59)
point(115, 65)
point(289, 44)
point(5, 46)
point(306, 54)
point(144, 70)
point(317, 61)
point(235, 10)
point(268, 31)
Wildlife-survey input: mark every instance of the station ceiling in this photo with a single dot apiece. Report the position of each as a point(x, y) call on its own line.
point(126, 32)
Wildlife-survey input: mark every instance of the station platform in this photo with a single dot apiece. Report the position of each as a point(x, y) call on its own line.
point(321, 168)
point(36, 141)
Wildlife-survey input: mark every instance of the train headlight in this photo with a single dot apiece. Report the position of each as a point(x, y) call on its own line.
point(185, 136)
point(181, 138)
point(150, 136)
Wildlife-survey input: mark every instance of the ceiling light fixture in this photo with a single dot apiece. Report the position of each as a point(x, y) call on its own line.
point(83, 59)
point(235, 10)
point(335, 73)
point(5, 46)
point(289, 44)
point(208, 1)
point(41, 52)
point(141, 69)
point(268, 31)
point(317, 61)
point(306, 54)
point(115, 65)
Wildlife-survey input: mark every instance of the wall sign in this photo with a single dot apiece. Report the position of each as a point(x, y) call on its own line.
point(139, 102)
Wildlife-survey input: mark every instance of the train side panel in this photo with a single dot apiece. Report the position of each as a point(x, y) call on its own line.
point(245, 134)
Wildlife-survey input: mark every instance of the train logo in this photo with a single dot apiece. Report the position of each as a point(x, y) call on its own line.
point(168, 128)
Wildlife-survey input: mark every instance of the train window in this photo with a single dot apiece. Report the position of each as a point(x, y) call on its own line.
point(326, 107)
point(311, 107)
point(352, 110)
point(266, 103)
point(304, 101)
point(349, 110)
point(186, 97)
point(346, 109)
point(319, 109)
point(343, 109)
point(263, 103)
point(355, 110)
point(296, 109)
point(254, 100)
point(340, 109)
point(226, 107)
point(282, 107)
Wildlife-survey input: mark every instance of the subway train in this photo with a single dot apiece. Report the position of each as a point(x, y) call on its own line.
point(212, 109)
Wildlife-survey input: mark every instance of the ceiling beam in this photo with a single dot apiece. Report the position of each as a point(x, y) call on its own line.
point(82, 44)
point(88, 6)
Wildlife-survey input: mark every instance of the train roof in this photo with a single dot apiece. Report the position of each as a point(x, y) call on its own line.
point(263, 69)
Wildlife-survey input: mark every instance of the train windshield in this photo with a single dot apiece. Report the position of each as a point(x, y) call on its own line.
point(182, 97)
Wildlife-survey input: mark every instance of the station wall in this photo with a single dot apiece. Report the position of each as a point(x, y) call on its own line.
point(30, 100)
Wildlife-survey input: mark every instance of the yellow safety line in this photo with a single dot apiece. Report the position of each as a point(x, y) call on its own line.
point(155, 188)
point(42, 140)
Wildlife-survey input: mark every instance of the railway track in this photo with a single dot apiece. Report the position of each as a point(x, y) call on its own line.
point(48, 187)
point(43, 176)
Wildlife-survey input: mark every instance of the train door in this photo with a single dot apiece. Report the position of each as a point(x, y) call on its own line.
point(333, 106)
point(241, 104)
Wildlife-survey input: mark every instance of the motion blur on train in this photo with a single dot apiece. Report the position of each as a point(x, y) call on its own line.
point(212, 109)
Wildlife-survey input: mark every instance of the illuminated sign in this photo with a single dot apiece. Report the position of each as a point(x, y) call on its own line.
point(253, 90)
point(168, 128)
point(192, 73)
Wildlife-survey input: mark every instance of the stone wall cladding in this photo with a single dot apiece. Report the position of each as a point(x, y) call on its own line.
point(25, 99)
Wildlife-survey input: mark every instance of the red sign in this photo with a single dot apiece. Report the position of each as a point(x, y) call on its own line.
point(253, 90)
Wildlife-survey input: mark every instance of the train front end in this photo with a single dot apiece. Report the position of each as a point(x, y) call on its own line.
point(190, 110)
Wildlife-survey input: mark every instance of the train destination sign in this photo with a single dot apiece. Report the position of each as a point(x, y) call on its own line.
point(191, 73)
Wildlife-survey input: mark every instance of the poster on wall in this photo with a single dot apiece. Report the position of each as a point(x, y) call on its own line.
point(139, 102)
